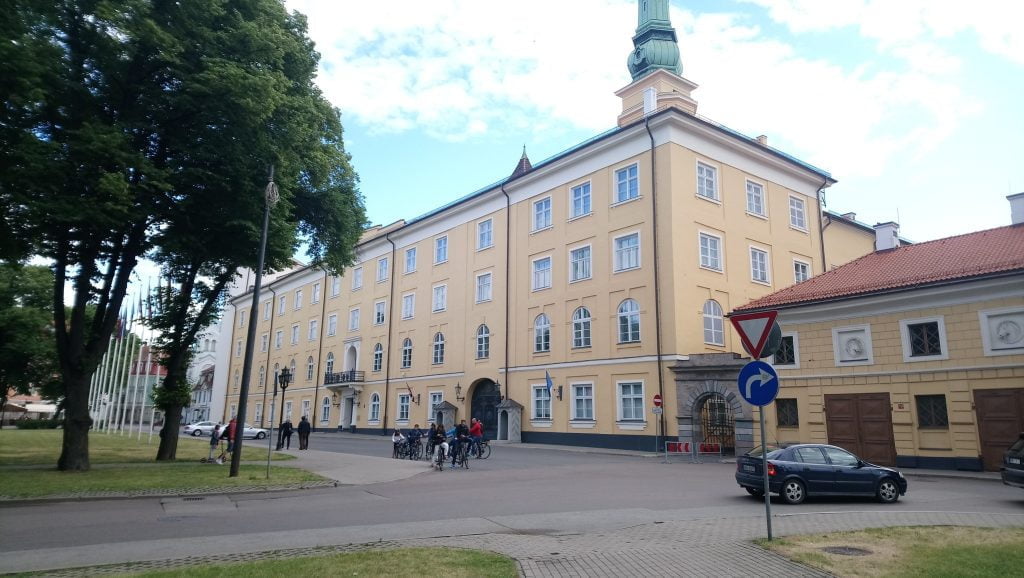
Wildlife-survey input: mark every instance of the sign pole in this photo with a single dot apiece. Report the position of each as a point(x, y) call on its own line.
point(764, 471)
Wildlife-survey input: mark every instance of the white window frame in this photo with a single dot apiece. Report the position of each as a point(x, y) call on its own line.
point(406, 353)
point(620, 409)
point(540, 276)
point(618, 322)
point(905, 339)
point(581, 266)
point(242, 317)
point(575, 395)
point(797, 264)
point(410, 260)
point(436, 397)
point(582, 328)
point(710, 173)
point(357, 278)
point(314, 330)
point(441, 250)
point(310, 368)
point(542, 214)
point(353, 319)
point(279, 339)
point(374, 417)
point(619, 253)
point(760, 266)
point(484, 234)
point(378, 358)
point(481, 284)
point(756, 205)
point(706, 263)
point(717, 323)
point(298, 299)
point(305, 407)
point(332, 324)
point(295, 334)
point(404, 401)
point(238, 348)
point(268, 307)
point(282, 304)
point(316, 293)
point(989, 320)
point(264, 342)
point(437, 349)
point(797, 213)
point(380, 314)
point(540, 404)
point(329, 363)
point(841, 334)
point(627, 183)
point(796, 351)
point(325, 410)
point(335, 286)
point(408, 306)
point(580, 201)
point(440, 298)
point(382, 269)
point(483, 341)
point(542, 340)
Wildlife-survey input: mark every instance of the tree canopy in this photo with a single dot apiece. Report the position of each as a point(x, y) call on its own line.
point(136, 128)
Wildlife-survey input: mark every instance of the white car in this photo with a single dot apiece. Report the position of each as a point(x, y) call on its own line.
point(253, 432)
point(202, 428)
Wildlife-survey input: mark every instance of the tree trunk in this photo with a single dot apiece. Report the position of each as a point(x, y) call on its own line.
point(74, 455)
point(169, 434)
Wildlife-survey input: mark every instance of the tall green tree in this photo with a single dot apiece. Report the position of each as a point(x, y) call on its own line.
point(28, 358)
point(145, 128)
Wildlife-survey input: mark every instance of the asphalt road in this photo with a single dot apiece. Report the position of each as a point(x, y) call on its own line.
point(555, 487)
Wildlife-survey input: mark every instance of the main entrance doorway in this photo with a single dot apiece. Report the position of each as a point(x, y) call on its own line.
point(717, 425)
point(862, 424)
point(484, 406)
point(1000, 421)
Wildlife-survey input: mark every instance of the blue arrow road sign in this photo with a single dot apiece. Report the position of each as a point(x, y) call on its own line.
point(758, 383)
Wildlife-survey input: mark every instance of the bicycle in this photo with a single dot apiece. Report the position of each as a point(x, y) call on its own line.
point(414, 450)
point(440, 459)
point(480, 450)
point(461, 456)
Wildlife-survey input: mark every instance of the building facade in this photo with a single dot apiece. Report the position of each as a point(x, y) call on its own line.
point(554, 304)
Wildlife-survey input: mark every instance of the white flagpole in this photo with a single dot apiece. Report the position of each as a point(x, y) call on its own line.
point(122, 374)
point(115, 377)
point(145, 376)
point(136, 368)
point(94, 395)
point(105, 362)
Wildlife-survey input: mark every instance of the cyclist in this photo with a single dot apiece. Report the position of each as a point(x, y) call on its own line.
point(396, 439)
point(440, 441)
point(414, 436)
point(461, 435)
point(476, 435)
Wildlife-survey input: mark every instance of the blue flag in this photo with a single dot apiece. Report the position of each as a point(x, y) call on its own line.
point(547, 380)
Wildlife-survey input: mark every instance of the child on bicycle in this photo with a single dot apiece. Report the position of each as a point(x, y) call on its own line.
point(440, 441)
point(396, 440)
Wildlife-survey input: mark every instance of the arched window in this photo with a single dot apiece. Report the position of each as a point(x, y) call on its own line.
point(378, 357)
point(330, 363)
point(407, 353)
point(291, 369)
point(483, 342)
point(629, 321)
point(541, 334)
point(325, 410)
point(213, 345)
point(438, 348)
point(263, 376)
point(714, 332)
point(310, 367)
point(238, 378)
point(206, 345)
point(581, 328)
point(375, 407)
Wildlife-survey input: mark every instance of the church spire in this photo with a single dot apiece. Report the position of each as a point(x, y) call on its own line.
point(654, 42)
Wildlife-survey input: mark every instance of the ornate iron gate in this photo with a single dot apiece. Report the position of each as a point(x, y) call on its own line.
point(717, 423)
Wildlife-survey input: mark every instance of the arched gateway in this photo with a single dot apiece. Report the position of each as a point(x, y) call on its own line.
point(711, 410)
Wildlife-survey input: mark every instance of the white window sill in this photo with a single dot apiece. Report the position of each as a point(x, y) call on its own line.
point(404, 422)
point(627, 269)
point(373, 422)
point(631, 425)
point(757, 215)
point(540, 423)
point(440, 262)
point(580, 280)
point(796, 228)
point(583, 424)
point(712, 269)
point(578, 217)
point(626, 201)
point(491, 246)
point(714, 200)
point(918, 358)
point(542, 229)
point(759, 282)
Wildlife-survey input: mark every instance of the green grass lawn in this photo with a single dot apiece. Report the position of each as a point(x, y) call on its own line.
point(410, 562)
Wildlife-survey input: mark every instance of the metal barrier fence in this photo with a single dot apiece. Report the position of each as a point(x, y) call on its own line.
point(693, 450)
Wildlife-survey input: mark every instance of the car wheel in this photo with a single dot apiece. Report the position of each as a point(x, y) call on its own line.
point(261, 435)
point(793, 492)
point(196, 433)
point(888, 491)
point(754, 492)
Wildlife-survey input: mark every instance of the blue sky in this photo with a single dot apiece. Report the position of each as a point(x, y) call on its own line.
point(914, 106)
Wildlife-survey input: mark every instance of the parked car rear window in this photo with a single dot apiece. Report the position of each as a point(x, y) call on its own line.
point(1018, 445)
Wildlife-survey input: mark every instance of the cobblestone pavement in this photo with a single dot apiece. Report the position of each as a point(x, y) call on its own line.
point(719, 547)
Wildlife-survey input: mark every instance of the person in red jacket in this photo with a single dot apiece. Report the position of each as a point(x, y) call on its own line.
point(476, 433)
point(229, 432)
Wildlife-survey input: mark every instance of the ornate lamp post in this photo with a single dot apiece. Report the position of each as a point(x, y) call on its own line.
point(270, 196)
point(283, 380)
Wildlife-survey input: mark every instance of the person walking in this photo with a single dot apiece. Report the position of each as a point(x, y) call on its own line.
point(214, 442)
point(286, 433)
point(230, 434)
point(304, 429)
point(476, 435)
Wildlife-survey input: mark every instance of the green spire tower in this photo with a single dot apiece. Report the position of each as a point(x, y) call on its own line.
point(654, 42)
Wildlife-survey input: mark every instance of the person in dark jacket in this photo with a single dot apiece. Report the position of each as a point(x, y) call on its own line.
point(214, 442)
point(304, 429)
point(286, 434)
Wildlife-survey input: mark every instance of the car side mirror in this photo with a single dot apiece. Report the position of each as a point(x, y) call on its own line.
point(860, 463)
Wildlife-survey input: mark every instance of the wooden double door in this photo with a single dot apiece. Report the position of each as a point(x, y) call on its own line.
point(1000, 415)
point(862, 423)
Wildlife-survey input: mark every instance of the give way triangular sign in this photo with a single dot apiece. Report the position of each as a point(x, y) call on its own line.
point(754, 329)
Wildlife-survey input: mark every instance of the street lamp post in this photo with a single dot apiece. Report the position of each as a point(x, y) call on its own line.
point(270, 196)
point(283, 381)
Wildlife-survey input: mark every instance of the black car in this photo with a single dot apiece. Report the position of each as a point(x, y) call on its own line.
point(805, 470)
point(1013, 464)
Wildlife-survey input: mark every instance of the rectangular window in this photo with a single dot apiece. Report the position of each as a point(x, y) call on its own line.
point(801, 271)
point(238, 348)
point(484, 234)
point(408, 306)
point(542, 273)
point(382, 269)
point(258, 418)
point(579, 264)
point(378, 313)
point(583, 402)
point(278, 339)
point(267, 307)
point(403, 407)
point(314, 329)
point(931, 411)
point(758, 265)
point(797, 217)
point(316, 292)
point(627, 252)
point(483, 287)
point(410, 260)
point(264, 342)
point(710, 252)
point(378, 358)
point(295, 334)
point(786, 412)
point(580, 200)
point(298, 299)
point(542, 214)
point(707, 181)
point(631, 401)
point(241, 318)
point(786, 354)
point(541, 402)
point(305, 407)
point(282, 302)
point(755, 198)
point(627, 184)
point(924, 339)
point(353, 319)
point(335, 286)
point(357, 278)
point(436, 397)
point(441, 250)
point(440, 301)
point(332, 324)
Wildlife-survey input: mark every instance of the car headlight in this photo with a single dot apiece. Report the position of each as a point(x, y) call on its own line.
point(899, 473)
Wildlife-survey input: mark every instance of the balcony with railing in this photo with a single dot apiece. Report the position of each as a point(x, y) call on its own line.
point(351, 376)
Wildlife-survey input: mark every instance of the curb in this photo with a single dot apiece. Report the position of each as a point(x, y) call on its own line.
point(96, 496)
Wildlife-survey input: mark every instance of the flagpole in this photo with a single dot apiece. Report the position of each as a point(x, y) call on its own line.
point(126, 331)
point(103, 381)
point(149, 357)
point(136, 368)
point(115, 376)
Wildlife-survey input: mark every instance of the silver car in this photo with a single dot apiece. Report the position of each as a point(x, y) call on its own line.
point(202, 428)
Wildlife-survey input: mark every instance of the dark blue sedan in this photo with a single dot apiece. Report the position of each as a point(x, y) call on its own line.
point(805, 470)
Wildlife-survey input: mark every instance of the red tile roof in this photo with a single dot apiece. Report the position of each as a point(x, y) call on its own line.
point(980, 254)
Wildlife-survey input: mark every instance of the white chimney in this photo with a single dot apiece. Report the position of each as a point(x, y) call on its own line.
point(650, 100)
point(1016, 208)
point(887, 236)
point(762, 139)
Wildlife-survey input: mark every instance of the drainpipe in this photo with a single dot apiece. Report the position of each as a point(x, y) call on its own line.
point(391, 309)
point(821, 228)
point(508, 276)
point(320, 350)
point(657, 283)
point(227, 384)
point(270, 332)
